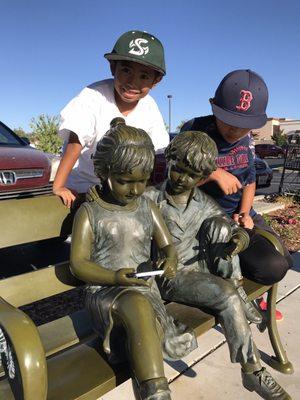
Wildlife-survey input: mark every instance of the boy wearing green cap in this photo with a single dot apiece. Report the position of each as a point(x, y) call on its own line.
point(137, 65)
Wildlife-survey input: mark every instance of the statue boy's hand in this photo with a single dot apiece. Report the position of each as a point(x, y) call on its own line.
point(238, 242)
point(122, 278)
point(169, 265)
point(233, 248)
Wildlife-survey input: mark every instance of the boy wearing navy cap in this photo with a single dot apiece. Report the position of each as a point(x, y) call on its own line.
point(240, 105)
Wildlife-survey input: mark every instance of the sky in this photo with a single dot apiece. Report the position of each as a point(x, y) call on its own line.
point(50, 50)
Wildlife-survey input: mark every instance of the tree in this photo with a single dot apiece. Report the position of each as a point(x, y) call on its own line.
point(44, 128)
point(180, 125)
point(20, 132)
point(24, 135)
point(279, 137)
point(255, 135)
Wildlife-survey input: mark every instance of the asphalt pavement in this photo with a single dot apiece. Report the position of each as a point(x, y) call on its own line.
point(291, 183)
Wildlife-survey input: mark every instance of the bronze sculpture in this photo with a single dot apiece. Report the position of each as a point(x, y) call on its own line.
point(207, 243)
point(111, 239)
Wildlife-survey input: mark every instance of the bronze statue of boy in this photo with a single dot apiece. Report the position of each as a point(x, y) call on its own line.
point(207, 243)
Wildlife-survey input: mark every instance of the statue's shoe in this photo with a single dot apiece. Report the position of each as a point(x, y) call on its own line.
point(264, 385)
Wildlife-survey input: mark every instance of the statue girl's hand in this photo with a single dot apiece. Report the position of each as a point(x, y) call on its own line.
point(169, 265)
point(122, 278)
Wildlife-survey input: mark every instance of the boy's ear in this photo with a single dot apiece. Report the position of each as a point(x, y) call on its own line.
point(112, 65)
point(157, 79)
point(211, 100)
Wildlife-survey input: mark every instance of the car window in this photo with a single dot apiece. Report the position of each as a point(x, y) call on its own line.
point(7, 138)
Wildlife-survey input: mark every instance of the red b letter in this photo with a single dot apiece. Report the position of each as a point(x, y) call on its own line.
point(245, 100)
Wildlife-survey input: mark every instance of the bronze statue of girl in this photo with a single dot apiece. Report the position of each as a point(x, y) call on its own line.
point(111, 239)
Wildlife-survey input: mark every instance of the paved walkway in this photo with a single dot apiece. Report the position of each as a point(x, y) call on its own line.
point(207, 372)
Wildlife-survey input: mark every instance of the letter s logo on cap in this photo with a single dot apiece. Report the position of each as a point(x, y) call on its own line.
point(245, 100)
point(136, 47)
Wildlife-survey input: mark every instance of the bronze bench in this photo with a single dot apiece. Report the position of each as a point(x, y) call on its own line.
point(63, 359)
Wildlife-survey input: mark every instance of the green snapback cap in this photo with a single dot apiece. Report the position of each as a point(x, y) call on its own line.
point(140, 47)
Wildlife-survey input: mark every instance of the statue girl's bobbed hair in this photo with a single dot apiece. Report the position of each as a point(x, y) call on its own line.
point(122, 149)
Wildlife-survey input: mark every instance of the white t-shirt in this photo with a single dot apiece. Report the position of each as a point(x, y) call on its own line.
point(89, 115)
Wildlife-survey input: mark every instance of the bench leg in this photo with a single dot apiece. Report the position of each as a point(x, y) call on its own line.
point(22, 354)
point(280, 362)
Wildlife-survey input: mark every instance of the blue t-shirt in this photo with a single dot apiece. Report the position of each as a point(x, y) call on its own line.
point(236, 158)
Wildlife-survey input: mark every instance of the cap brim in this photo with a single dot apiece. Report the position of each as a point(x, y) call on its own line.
point(239, 120)
point(116, 57)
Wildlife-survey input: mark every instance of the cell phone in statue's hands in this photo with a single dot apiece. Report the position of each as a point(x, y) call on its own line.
point(148, 274)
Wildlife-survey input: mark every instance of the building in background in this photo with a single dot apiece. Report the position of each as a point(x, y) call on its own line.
point(291, 127)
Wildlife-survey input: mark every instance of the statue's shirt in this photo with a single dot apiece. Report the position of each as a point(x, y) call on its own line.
point(236, 158)
point(122, 236)
point(184, 222)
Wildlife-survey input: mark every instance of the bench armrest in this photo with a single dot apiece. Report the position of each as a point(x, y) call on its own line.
point(271, 238)
point(21, 338)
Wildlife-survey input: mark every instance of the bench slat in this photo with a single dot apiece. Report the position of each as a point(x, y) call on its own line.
point(192, 317)
point(37, 285)
point(80, 373)
point(65, 332)
point(254, 290)
point(32, 219)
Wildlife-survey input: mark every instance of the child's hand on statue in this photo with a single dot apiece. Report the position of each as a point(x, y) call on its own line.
point(244, 220)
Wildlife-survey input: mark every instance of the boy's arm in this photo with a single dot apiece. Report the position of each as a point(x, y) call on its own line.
point(242, 217)
point(164, 242)
point(80, 260)
point(67, 162)
point(158, 132)
point(227, 182)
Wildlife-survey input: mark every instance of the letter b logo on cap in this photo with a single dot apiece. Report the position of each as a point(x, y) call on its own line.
point(245, 100)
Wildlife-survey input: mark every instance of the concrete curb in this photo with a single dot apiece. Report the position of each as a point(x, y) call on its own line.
point(262, 207)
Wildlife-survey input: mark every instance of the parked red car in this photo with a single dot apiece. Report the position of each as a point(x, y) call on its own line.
point(268, 150)
point(23, 169)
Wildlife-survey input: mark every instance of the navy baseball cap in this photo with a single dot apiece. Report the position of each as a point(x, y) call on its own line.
point(241, 100)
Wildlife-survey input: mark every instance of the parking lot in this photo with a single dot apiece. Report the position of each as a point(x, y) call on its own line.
point(291, 179)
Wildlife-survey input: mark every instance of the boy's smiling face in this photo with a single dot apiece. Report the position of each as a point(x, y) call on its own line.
point(182, 179)
point(132, 81)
